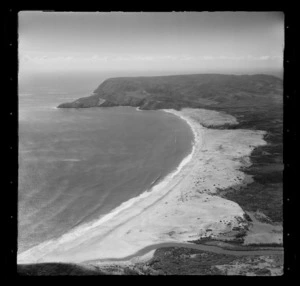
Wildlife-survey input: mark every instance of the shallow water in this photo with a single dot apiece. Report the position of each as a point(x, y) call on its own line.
point(76, 165)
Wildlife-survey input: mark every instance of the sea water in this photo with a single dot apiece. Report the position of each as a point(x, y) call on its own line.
point(75, 165)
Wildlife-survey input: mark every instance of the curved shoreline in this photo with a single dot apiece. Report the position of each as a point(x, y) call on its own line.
point(180, 209)
point(123, 206)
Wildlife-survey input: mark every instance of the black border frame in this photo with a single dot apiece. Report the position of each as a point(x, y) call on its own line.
point(290, 132)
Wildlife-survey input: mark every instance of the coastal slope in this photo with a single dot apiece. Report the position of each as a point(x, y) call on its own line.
point(179, 91)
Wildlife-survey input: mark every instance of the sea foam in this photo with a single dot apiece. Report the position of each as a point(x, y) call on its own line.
point(81, 229)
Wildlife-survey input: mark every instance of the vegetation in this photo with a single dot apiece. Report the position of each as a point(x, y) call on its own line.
point(266, 192)
point(184, 261)
point(55, 269)
point(197, 91)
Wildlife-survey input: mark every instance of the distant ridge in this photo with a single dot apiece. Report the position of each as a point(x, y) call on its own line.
point(179, 91)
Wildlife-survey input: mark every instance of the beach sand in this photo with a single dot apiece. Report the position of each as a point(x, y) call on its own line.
point(183, 207)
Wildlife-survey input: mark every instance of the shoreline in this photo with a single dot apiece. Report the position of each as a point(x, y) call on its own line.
point(164, 174)
point(124, 205)
point(175, 210)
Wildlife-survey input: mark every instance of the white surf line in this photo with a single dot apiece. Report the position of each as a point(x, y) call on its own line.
point(176, 211)
point(123, 207)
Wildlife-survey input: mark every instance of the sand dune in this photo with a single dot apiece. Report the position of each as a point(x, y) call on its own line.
point(183, 207)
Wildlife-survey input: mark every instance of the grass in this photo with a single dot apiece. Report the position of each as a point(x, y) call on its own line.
point(183, 261)
point(55, 269)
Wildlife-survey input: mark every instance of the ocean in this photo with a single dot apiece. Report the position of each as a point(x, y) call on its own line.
point(76, 165)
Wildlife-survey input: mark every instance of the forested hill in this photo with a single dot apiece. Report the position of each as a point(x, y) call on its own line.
point(178, 91)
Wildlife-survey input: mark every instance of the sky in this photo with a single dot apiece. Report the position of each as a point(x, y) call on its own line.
point(175, 42)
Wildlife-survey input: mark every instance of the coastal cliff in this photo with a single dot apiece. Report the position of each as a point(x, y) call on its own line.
point(179, 91)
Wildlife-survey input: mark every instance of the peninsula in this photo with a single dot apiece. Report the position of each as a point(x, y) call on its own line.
point(226, 195)
point(179, 91)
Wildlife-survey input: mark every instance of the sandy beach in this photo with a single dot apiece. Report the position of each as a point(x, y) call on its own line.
point(183, 207)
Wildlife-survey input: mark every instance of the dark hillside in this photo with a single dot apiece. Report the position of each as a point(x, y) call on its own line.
point(204, 90)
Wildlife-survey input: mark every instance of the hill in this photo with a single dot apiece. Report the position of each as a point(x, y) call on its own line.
point(178, 91)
